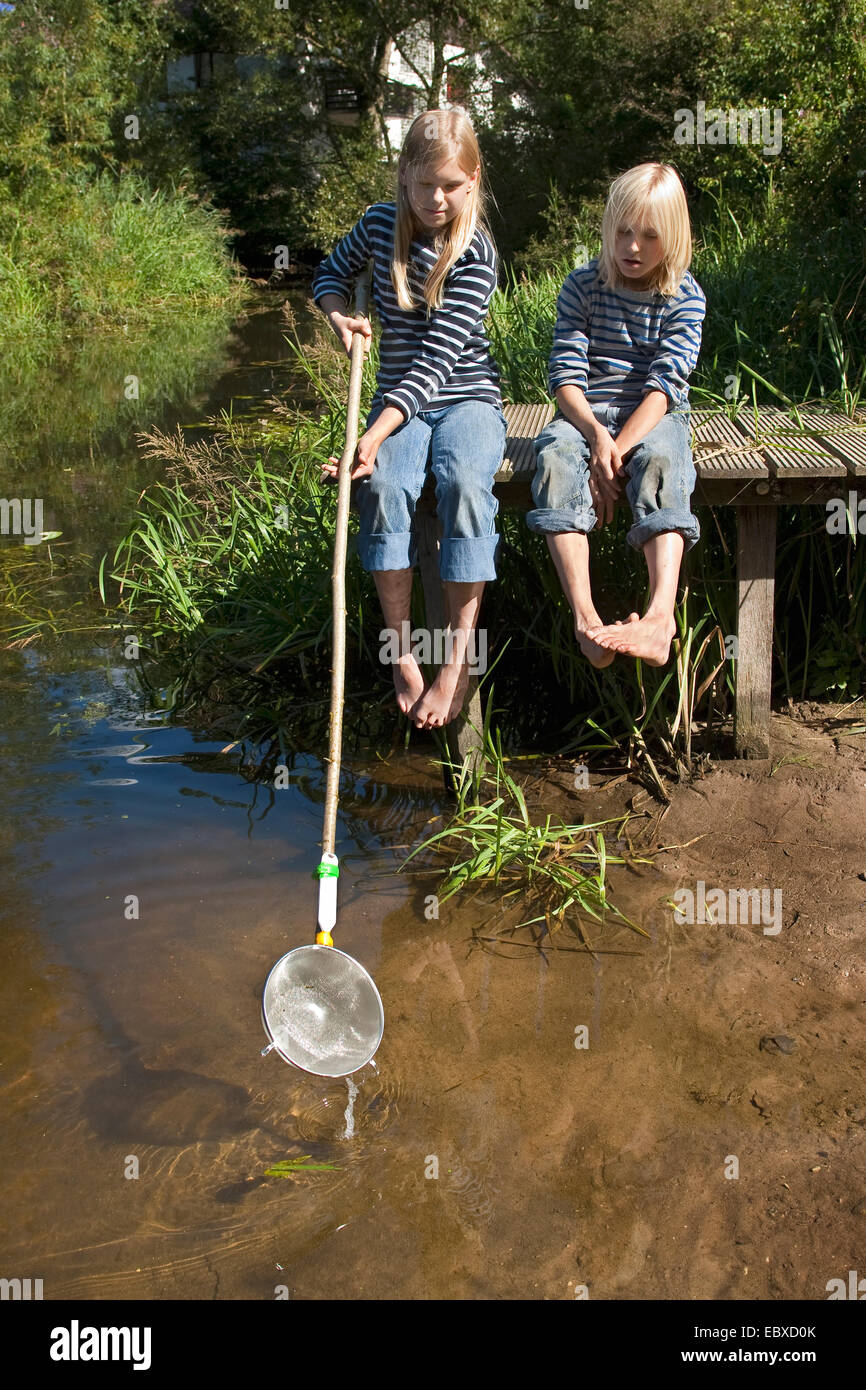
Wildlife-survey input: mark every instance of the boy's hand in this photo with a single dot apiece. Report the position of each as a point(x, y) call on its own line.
point(605, 465)
point(345, 327)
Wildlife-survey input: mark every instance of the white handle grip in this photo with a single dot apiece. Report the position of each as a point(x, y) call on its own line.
point(328, 896)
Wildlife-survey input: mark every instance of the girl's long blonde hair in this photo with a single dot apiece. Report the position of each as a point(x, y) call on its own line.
point(433, 138)
point(648, 194)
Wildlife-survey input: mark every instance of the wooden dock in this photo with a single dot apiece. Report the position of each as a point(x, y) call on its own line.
point(756, 463)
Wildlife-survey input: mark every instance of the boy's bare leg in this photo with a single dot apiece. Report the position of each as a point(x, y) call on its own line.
point(570, 553)
point(650, 638)
point(394, 588)
point(443, 701)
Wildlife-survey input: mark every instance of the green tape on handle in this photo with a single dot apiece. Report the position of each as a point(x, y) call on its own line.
point(328, 871)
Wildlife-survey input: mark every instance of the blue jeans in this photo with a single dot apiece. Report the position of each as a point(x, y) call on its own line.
point(462, 444)
point(659, 471)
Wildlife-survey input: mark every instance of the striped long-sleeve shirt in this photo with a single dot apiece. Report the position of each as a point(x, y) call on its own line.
point(424, 363)
point(618, 344)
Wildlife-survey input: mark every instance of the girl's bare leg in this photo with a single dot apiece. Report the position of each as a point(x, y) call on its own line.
point(444, 699)
point(570, 553)
point(650, 638)
point(394, 588)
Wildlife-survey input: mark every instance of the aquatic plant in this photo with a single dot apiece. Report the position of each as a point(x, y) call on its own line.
point(289, 1167)
point(556, 868)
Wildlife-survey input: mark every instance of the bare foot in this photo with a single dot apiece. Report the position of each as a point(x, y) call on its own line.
point(649, 638)
point(408, 682)
point(443, 701)
point(459, 698)
point(594, 652)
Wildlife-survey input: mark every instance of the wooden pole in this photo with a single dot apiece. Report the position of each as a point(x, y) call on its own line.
point(338, 573)
point(756, 564)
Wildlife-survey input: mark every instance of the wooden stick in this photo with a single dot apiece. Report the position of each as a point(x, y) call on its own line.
point(338, 573)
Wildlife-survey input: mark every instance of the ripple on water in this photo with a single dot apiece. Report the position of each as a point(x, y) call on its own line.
point(321, 1116)
point(118, 750)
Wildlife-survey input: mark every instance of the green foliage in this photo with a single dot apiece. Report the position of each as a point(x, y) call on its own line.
point(808, 59)
point(224, 565)
point(68, 71)
point(256, 131)
point(352, 175)
point(288, 1167)
point(598, 93)
point(109, 251)
point(84, 241)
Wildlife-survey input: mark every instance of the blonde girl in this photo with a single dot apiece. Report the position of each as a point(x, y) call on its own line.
point(437, 406)
point(627, 337)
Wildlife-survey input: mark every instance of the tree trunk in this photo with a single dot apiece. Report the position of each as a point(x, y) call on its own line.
point(437, 37)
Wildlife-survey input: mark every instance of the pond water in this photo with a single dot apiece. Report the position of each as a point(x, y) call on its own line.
point(148, 888)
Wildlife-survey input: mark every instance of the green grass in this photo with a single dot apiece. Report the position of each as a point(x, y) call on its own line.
point(557, 869)
point(227, 572)
point(288, 1167)
point(108, 254)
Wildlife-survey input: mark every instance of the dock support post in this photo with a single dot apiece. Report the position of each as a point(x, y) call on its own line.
point(462, 739)
point(756, 565)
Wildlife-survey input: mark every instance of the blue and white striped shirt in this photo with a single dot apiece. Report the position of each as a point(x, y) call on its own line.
point(618, 344)
point(424, 363)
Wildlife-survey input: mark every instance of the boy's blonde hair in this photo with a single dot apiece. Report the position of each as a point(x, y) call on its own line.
point(648, 195)
point(433, 138)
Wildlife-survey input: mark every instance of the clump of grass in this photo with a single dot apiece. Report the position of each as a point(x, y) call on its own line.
point(227, 568)
point(116, 252)
point(558, 869)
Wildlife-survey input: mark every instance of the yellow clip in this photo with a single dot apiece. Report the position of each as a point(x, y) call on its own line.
point(324, 938)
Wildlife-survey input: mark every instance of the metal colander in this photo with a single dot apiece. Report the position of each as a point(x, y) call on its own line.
point(322, 1011)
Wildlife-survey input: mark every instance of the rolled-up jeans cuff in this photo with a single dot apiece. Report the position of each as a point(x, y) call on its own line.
point(387, 550)
point(656, 523)
point(467, 559)
point(551, 519)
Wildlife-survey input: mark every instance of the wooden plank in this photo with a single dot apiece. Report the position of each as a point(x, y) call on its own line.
point(720, 451)
point(524, 423)
point(842, 436)
point(463, 740)
point(756, 565)
point(785, 492)
point(790, 452)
